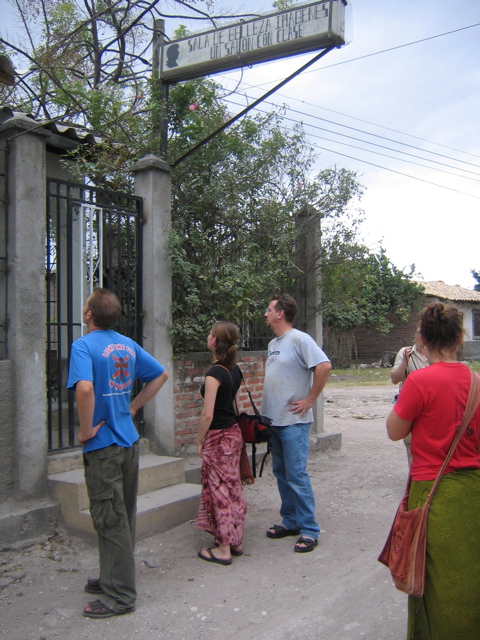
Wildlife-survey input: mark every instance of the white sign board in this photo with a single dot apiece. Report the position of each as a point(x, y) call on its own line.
point(276, 35)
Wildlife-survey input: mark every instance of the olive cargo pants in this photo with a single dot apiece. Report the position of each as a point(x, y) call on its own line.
point(111, 476)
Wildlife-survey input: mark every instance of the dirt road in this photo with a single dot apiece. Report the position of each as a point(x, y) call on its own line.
point(338, 592)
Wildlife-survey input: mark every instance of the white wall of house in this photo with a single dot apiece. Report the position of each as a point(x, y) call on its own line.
point(471, 341)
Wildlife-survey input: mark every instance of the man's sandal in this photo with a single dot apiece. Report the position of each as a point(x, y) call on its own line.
point(93, 586)
point(309, 544)
point(279, 531)
point(97, 609)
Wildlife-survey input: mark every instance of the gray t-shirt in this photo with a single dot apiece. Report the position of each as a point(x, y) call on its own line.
point(289, 376)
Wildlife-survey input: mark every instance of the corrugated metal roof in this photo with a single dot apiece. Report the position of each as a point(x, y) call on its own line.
point(65, 130)
point(454, 293)
point(7, 72)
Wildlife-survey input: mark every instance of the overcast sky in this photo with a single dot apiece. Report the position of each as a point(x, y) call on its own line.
point(422, 100)
point(425, 95)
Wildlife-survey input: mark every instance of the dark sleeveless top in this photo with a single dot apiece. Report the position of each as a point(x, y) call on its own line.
point(223, 413)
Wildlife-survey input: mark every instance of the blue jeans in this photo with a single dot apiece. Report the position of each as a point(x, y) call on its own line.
point(289, 461)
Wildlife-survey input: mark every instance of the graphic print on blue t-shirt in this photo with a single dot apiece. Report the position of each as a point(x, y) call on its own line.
point(120, 367)
point(112, 362)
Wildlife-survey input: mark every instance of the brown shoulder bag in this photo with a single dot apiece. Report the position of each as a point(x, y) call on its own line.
point(404, 552)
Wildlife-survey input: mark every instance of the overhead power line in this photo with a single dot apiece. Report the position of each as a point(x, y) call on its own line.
point(375, 135)
point(373, 124)
point(378, 53)
point(306, 124)
point(400, 173)
point(372, 164)
point(367, 133)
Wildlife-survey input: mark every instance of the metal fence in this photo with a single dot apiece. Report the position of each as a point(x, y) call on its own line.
point(93, 239)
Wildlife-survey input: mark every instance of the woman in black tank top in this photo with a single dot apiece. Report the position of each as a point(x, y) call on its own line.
point(219, 442)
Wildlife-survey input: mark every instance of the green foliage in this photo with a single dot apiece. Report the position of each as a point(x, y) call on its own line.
point(239, 227)
point(476, 275)
point(232, 223)
point(368, 289)
point(92, 73)
point(284, 5)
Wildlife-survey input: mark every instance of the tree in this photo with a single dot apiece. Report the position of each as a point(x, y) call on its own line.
point(237, 202)
point(476, 275)
point(87, 63)
point(366, 290)
point(235, 213)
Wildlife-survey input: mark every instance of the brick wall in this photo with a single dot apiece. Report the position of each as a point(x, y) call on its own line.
point(188, 376)
point(372, 346)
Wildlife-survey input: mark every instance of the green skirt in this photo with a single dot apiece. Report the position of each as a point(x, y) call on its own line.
point(450, 606)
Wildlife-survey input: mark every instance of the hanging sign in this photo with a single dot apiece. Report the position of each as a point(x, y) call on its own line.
point(306, 28)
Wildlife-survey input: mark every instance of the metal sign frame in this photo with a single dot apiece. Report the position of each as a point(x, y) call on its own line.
point(305, 28)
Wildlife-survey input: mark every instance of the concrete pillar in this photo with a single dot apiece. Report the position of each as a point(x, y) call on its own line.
point(153, 185)
point(26, 193)
point(308, 290)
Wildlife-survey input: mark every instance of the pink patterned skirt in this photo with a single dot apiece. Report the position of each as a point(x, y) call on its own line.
point(222, 503)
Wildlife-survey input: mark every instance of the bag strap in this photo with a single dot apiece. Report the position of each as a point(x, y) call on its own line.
point(231, 382)
point(255, 410)
point(254, 448)
point(413, 361)
point(269, 449)
point(470, 408)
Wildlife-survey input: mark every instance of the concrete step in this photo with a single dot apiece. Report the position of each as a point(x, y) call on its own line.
point(155, 472)
point(22, 523)
point(164, 498)
point(157, 511)
point(73, 458)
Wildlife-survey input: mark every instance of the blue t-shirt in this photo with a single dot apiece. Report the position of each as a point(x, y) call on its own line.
point(112, 362)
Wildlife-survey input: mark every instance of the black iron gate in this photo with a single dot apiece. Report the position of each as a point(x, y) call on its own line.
point(93, 239)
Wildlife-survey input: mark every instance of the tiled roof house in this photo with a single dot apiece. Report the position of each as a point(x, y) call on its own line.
point(466, 300)
point(373, 346)
point(7, 72)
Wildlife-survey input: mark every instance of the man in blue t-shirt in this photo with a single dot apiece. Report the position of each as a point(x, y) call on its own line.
point(103, 367)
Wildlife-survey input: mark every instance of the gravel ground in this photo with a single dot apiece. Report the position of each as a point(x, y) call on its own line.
point(337, 592)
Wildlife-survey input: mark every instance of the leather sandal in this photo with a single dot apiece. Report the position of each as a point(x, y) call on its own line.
point(309, 543)
point(279, 531)
point(93, 586)
point(97, 609)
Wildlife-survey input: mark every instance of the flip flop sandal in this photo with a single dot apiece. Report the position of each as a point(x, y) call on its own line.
point(232, 551)
point(279, 531)
point(212, 558)
point(309, 543)
point(93, 586)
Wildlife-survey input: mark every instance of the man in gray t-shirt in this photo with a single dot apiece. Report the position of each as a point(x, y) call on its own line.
point(296, 372)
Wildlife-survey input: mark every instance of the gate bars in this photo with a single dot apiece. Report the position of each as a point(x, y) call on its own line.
point(93, 239)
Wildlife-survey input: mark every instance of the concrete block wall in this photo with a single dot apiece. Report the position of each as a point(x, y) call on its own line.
point(188, 376)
